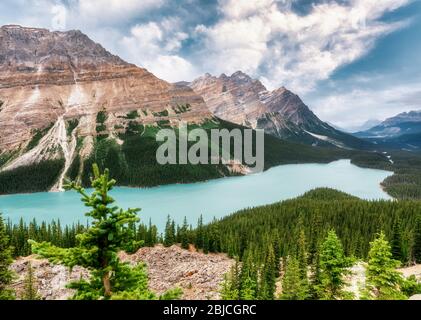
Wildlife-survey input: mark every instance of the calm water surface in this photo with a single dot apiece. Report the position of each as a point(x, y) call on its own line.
point(215, 198)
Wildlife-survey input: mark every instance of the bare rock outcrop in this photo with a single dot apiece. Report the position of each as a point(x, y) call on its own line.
point(51, 279)
point(50, 78)
point(198, 275)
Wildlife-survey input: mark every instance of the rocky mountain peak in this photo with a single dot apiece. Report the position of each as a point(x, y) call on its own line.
point(406, 123)
point(251, 96)
point(411, 116)
point(241, 99)
point(33, 51)
point(51, 82)
point(239, 75)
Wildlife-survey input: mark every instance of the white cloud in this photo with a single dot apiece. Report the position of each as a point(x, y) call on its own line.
point(235, 45)
point(264, 38)
point(285, 48)
point(80, 14)
point(353, 108)
point(241, 9)
point(108, 12)
point(155, 46)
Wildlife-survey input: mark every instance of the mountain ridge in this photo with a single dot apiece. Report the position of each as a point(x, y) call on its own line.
point(402, 123)
point(240, 99)
point(402, 131)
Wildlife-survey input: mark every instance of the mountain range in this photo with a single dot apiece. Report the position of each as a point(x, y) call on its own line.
point(66, 102)
point(53, 86)
point(402, 131)
point(240, 99)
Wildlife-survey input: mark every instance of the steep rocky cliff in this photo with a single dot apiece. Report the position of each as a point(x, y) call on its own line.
point(240, 99)
point(53, 86)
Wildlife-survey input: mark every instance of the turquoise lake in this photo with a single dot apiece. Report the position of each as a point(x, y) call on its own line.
point(216, 198)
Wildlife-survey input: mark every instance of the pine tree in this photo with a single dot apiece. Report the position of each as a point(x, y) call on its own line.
point(333, 267)
point(268, 276)
point(30, 289)
point(314, 243)
point(396, 240)
point(315, 277)
point(292, 282)
point(169, 237)
point(6, 275)
point(184, 234)
point(200, 237)
point(230, 286)
point(248, 289)
point(248, 278)
point(173, 232)
point(314, 257)
point(99, 246)
point(302, 259)
point(383, 281)
point(417, 244)
point(151, 235)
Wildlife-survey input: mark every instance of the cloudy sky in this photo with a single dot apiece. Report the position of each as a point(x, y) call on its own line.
point(350, 60)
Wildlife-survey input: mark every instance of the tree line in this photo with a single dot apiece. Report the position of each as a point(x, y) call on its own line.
point(319, 276)
point(356, 222)
point(65, 236)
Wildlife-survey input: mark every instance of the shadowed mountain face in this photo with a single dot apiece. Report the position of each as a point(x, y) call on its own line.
point(399, 132)
point(281, 113)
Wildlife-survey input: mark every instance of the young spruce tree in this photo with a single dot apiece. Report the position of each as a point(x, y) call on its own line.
point(333, 267)
point(30, 289)
point(383, 280)
point(292, 288)
point(99, 246)
point(6, 275)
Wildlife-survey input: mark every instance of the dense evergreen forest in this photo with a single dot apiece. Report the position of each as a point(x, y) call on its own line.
point(356, 222)
point(406, 182)
point(34, 178)
point(64, 236)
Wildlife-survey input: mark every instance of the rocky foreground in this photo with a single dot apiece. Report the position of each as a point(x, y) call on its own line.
point(198, 275)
